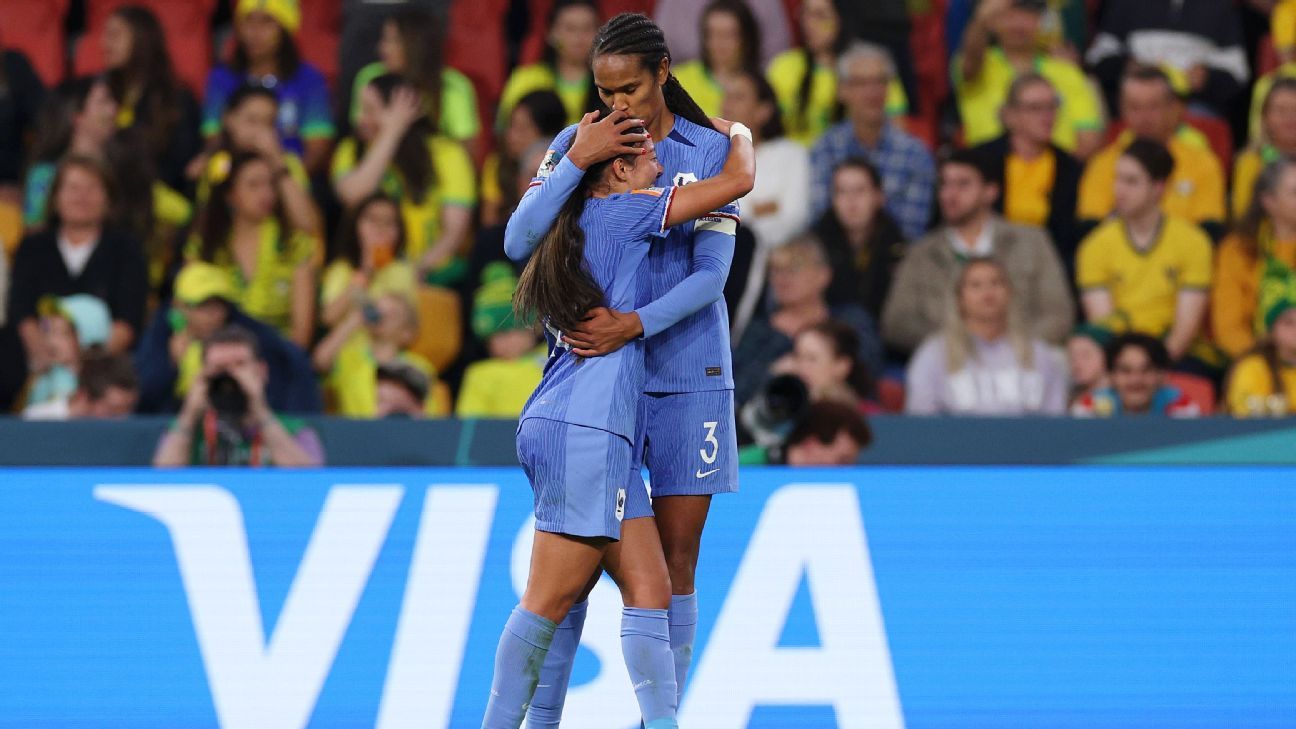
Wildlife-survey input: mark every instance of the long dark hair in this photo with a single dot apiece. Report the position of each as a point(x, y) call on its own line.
point(287, 58)
point(349, 245)
point(423, 41)
point(773, 129)
point(241, 96)
point(55, 120)
point(149, 70)
point(634, 34)
point(845, 343)
point(412, 160)
point(556, 286)
point(748, 29)
point(1254, 226)
point(216, 221)
point(549, 56)
point(807, 80)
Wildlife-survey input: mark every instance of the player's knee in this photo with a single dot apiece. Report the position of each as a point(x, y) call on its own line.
point(681, 564)
point(651, 591)
point(552, 606)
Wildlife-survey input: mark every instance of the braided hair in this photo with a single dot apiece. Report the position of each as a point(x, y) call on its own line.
point(634, 34)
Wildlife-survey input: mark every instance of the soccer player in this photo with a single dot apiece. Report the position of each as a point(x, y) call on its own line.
point(575, 434)
point(686, 414)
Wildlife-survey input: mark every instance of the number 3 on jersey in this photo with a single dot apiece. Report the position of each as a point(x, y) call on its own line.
point(709, 458)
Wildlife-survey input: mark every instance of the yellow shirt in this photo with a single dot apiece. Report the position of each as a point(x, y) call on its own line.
point(267, 294)
point(1251, 392)
point(981, 98)
point(1195, 190)
point(455, 184)
point(1027, 187)
point(1283, 25)
point(785, 73)
point(1235, 292)
point(540, 77)
point(1144, 285)
point(498, 388)
point(353, 381)
point(701, 85)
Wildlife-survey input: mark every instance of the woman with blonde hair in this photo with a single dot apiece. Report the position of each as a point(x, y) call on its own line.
point(983, 362)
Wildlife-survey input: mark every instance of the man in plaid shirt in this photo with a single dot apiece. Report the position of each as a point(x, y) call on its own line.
point(908, 172)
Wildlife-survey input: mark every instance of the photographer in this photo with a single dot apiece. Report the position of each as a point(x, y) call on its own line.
point(225, 420)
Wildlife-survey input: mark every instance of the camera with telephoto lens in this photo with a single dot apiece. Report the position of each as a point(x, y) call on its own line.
point(771, 414)
point(226, 397)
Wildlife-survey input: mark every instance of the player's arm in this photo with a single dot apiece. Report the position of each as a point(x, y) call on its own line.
point(539, 206)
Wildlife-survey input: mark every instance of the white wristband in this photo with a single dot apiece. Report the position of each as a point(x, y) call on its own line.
point(738, 129)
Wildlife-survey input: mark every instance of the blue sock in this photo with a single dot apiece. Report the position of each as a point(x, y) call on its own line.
point(547, 704)
point(683, 628)
point(645, 644)
point(521, 652)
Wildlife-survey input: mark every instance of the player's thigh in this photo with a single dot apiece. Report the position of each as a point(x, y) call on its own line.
point(691, 443)
point(578, 477)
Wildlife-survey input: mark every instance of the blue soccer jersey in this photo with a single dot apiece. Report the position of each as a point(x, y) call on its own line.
point(603, 392)
point(681, 297)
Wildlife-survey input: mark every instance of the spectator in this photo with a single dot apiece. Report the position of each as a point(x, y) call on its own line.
point(1200, 39)
point(565, 68)
point(106, 388)
point(679, 20)
point(265, 54)
point(1276, 139)
point(169, 357)
point(248, 126)
point(826, 358)
point(984, 362)
point(984, 72)
point(730, 51)
point(79, 254)
point(401, 391)
point(864, 244)
point(1153, 110)
point(798, 279)
point(378, 333)
point(778, 207)
point(1264, 85)
point(537, 118)
point(1264, 239)
point(21, 92)
point(1145, 270)
point(243, 229)
point(488, 245)
point(148, 95)
point(920, 297)
point(810, 79)
point(498, 387)
point(1138, 365)
point(70, 326)
point(908, 174)
point(226, 420)
point(1087, 361)
point(395, 150)
point(1263, 382)
point(413, 47)
point(828, 434)
point(1038, 179)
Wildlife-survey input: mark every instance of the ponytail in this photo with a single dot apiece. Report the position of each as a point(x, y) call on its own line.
point(634, 34)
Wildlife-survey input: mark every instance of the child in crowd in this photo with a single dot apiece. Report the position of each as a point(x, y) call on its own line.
point(1086, 361)
point(69, 326)
point(1138, 364)
point(498, 387)
point(1263, 382)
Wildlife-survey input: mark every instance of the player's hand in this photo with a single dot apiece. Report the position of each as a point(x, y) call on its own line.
point(599, 140)
point(603, 331)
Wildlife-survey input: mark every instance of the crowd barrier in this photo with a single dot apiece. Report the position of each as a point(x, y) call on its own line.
point(897, 441)
point(879, 597)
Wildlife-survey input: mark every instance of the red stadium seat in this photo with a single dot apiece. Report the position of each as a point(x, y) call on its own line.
point(1198, 389)
point(319, 36)
point(1266, 56)
point(475, 48)
point(35, 27)
point(931, 67)
point(534, 43)
point(891, 395)
point(188, 30)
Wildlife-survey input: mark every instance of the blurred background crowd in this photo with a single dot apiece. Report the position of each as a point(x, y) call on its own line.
point(993, 207)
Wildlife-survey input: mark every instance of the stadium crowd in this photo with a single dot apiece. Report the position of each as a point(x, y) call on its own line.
point(993, 207)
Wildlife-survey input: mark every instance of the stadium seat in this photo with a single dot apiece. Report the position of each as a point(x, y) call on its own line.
point(1266, 56)
point(440, 334)
point(188, 35)
point(931, 67)
point(480, 56)
point(320, 35)
point(891, 395)
point(35, 27)
point(1197, 388)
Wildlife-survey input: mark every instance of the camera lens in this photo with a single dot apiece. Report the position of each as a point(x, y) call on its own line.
point(226, 397)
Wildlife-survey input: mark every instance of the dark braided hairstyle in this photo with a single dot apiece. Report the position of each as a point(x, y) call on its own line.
point(634, 34)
